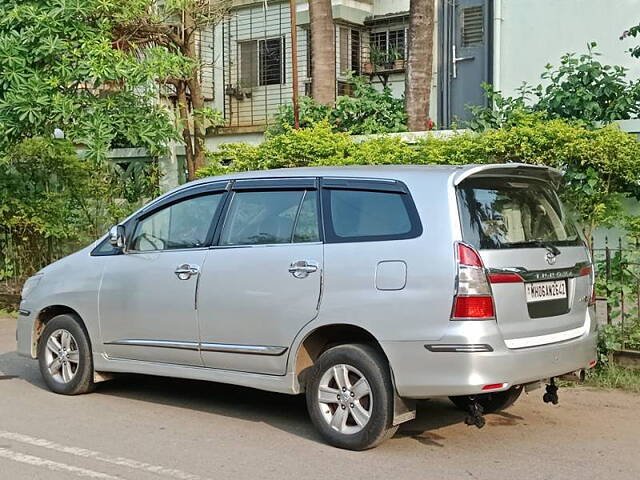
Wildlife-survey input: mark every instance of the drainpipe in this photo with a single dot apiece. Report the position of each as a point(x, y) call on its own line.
point(497, 43)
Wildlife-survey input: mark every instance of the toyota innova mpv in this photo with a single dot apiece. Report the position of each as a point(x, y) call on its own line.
point(367, 288)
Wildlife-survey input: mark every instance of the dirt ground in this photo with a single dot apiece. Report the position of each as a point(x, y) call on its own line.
point(138, 428)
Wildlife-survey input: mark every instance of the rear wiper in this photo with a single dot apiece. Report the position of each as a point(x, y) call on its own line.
point(551, 248)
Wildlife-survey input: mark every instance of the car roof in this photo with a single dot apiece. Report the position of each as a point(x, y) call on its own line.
point(404, 173)
point(396, 172)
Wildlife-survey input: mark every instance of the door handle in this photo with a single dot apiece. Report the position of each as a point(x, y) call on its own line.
point(186, 271)
point(302, 268)
point(455, 60)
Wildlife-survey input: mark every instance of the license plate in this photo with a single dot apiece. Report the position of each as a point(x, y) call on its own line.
point(544, 291)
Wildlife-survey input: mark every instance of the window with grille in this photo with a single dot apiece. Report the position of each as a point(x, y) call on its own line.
point(271, 61)
point(349, 41)
point(262, 62)
point(396, 43)
point(379, 41)
point(390, 42)
point(355, 51)
point(309, 54)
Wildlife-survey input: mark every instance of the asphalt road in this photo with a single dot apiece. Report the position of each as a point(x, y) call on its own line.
point(138, 428)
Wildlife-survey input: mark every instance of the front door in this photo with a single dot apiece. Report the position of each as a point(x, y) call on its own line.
point(147, 297)
point(464, 59)
point(261, 283)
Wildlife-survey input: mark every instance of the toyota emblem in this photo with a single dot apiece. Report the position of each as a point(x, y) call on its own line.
point(551, 258)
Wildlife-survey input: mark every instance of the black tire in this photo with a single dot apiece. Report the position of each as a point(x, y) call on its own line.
point(82, 379)
point(490, 402)
point(368, 361)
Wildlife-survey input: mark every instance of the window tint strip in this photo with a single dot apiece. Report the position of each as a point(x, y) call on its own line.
point(275, 183)
point(365, 184)
point(182, 194)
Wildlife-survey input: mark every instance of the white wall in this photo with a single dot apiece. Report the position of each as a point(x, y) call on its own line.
point(253, 138)
point(537, 32)
point(383, 7)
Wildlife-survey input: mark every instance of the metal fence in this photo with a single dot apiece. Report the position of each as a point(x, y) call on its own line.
point(618, 288)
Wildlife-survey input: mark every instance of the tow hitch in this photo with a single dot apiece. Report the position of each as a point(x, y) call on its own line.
point(475, 417)
point(552, 392)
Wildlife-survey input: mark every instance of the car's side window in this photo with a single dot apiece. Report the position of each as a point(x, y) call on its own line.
point(185, 224)
point(363, 215)
point(271, 217)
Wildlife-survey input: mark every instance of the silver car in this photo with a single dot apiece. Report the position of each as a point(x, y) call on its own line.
point(367, 288)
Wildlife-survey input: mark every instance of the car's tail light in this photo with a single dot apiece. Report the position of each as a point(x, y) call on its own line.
point(588, 270)
point(473, 307)
point(473, 300)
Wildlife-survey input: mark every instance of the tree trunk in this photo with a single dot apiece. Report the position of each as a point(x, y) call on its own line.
point(183, 110)
point(198, 135)
point(323, 48)
point(419, 64)
point(199, 129)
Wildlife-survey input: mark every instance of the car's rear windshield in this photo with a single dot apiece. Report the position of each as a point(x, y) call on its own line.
point(513, 213)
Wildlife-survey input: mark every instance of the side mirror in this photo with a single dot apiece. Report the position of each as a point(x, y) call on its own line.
point(117, 236)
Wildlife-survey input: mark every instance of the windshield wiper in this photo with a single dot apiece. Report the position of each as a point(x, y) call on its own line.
point(551, 248)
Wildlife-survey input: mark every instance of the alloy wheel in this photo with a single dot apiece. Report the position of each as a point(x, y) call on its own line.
point(62, 356)
point(345, 399)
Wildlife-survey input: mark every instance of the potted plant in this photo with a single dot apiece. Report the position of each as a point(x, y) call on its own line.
point(379, 59)
point(397, 55)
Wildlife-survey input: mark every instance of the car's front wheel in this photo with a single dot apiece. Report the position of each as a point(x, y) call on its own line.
point(64, 356)
point(350, 397)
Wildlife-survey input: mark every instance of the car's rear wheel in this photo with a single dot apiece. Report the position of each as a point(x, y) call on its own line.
point(490, 402)
point(350, 397)
point(64, 356)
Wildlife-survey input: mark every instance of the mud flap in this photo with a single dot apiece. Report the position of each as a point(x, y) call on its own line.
point(404, 409)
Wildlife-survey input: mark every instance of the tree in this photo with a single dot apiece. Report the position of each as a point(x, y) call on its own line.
point(419, 64)
point(632, 32)
point(580, 88)
point(323, 46)
point(44, 195)
point(175, 28)
point(59, 69)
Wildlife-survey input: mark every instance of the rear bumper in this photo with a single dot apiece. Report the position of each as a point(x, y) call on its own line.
point(420, 373)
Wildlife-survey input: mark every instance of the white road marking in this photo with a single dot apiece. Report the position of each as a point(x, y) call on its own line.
point(82, 452)
point(51, 465)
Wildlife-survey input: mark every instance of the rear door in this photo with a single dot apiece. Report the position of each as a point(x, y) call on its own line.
point(519, 226)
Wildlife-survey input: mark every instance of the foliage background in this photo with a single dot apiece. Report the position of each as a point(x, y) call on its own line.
point(600, 166)
point(62, 68)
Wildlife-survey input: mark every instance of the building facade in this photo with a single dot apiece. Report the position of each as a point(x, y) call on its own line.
point(501, 42)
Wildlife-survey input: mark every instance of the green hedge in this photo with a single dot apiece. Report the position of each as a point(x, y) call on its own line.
point(600, 166)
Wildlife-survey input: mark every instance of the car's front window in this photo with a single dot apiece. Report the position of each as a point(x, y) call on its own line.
point(185, 224)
